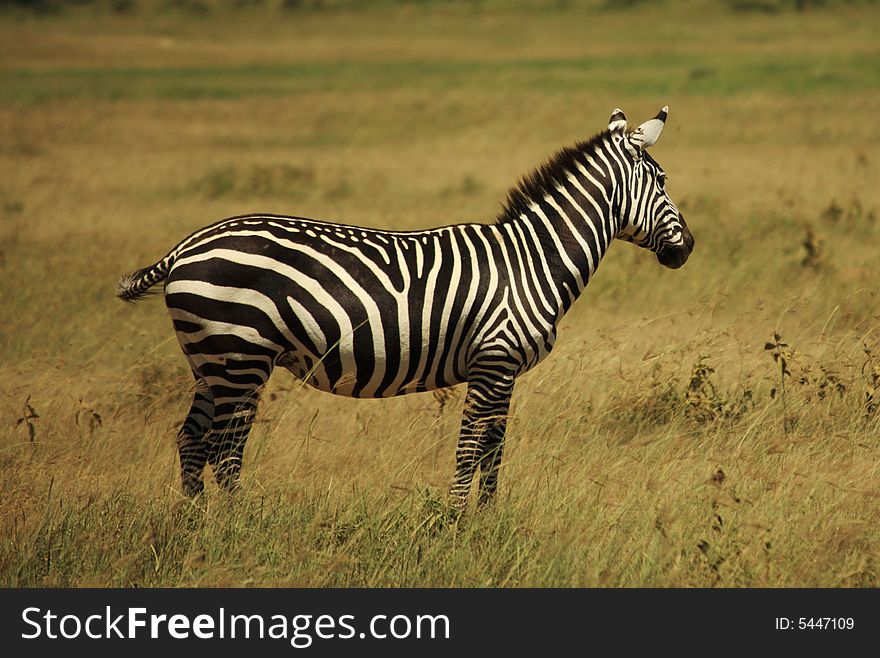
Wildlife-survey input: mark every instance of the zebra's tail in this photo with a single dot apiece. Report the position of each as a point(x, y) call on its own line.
point(136, 285)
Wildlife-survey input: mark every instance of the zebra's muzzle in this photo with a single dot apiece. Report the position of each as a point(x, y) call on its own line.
point(674, 256)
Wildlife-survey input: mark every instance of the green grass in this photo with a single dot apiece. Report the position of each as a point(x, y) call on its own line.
point(688, 74)
point(653, 447)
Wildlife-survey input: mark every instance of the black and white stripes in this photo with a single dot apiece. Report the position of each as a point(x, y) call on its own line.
point(370, 313)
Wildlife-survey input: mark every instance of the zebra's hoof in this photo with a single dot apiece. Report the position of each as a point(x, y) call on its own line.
point(193, 489)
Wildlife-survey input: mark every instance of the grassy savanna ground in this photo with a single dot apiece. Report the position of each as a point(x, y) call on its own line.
point(660, 445)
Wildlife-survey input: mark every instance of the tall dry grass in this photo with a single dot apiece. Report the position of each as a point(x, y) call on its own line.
point(661, 444)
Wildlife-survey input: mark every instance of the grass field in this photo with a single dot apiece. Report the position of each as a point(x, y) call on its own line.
point(662, 444)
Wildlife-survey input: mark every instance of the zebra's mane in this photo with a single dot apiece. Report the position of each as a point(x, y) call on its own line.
point(534, 185)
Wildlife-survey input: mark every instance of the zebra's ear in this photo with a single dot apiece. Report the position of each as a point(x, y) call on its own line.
point(646, 135)
point(617, 122)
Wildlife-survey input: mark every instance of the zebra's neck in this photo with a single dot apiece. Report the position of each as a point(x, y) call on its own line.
point(560, 221)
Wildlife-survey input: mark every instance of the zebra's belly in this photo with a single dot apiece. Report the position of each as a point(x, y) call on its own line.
point(373, 374)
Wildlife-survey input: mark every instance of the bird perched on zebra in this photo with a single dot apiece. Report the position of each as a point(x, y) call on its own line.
point(372, 313)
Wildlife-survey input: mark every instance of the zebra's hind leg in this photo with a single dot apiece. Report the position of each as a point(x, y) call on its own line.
point(233, 419)
point(482, 434)
point(191, 444)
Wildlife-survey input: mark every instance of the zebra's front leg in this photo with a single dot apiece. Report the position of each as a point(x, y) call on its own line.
point(491, 448)
point(482, 435)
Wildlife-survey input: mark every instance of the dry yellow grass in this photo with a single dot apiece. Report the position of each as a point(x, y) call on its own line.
point(650, 449)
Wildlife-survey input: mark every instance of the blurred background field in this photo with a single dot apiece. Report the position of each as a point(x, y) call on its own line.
point(663, 443)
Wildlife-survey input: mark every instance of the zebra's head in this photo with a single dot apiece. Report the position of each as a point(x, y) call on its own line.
point(647, 216)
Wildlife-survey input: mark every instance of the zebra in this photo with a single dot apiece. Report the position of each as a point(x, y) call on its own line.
point(370, 313)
